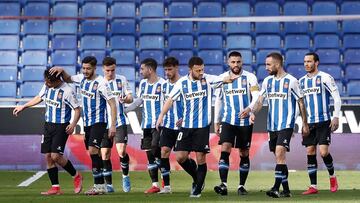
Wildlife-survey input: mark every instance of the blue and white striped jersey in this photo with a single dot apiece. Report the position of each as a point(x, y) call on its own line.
point(94, 94)
point(236, 96)
point(282, 95)
point(317, 90)
point(119, 87)
point(58, 102)
point(196, 95)
point(152, 97)
point(175, 112)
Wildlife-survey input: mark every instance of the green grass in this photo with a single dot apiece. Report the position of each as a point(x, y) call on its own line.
point(257, 183)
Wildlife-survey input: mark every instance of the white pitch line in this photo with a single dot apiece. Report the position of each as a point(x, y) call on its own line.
point(32, 179)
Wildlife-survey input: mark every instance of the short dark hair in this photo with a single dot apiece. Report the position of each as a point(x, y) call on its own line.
point(277, 56)
point(170, 61)
point(195, 60)
point(315, 56)
point(109, 61)
point(149, 62)
point(90, 60)
point(235, 53)
point(51, 77)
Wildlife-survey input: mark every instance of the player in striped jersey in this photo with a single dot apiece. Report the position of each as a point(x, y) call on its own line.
point(121, 90)
point(172, 120)
point(59, 100)
point(232, 100)
point(196, 91)
point(95, 93)
point(282, 92)
point(318, 86)
point(151, 97)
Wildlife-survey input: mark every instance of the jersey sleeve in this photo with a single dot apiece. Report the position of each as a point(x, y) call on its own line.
point(70, 99)
point(105, 90)
point(330, 83)
point(176, 91)
point(42, 92)
point(295, 89)
point(77, 78)
point(263, 88)
point(215, 81)
point(126, 85)
point(254, 85)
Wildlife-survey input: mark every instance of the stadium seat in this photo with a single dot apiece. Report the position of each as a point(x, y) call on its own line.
point(351, 26)
point(234, 9)
point(94, 9)
point(9, 42)
point(181, 42)
point(326, 41)
point(32, 73)
point(353, 88)
point(160, 71)
point(8, 58)
point(268, 42)
point(34, 58)
point(93, 42)
point(295, 8)
point(212, 57)
point(35, 42)
point(10, 9)
point(351, 41)
point(297, 42)
point(180, 9)
point(246, 56)
point(341, 89)
point(352, 56)
point(71, 70)
point(324, 8)
point(124, 57)
point(8, 89)
point(158, 55)
point(37, 9)
point(151, 27)
point(261, 73)
point(296, 56)
point(123, 26)
point(64, 42)
point(122, 42)
point(183, 70)
point(267, 9)
point(30, 89)
point(296, 70)
point(182, 55)
point(210, 42)
point(238, 42)
point(64, 27)
point(151, 9)
point(334, 70)
point(128, 72)
point(238, 28)
point(178, 27)
point(64, 57)
point(65, 9)
point(209, 9)
point(329, 56)
point(123, 10)
point(248, 68)
point(214, 70)
point(151, 42)
point(352, 72)
point(9, 26)
point(209, 27)
point(261, 55)
point(93, 27)
point(98, 54)
point(350, 8)
point(8, 73)
point(36, 27)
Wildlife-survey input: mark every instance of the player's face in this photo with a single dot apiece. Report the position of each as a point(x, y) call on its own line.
point(197, 72)
point(88, 70)
point(49, 84)
point(235, 63)
point(145, 71)
point(272, 66)
point(170, 72)
point(310, 64)
point(109, 71)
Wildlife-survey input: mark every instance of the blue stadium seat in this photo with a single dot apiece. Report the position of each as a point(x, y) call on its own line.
point(183, 70)
point(37, 9)
point(328, 56)
point(180, 9)
point(295, 56)
point(352, 72)
point(248, 68)
point(160, 71)
point(93, 42)
point(123, 26)
point(353, 88)
point(350, 8)
point(182, 55)
point(9, 26)
point(7, 89)
point(151, 27)
point(341, 89)
point(64, 57)
point(8, 73)
point(36, 27)
point(94, 9)
point(30, 89)
point(293, 9)
point(261, 55)
point(212, 57)
point(128, 72)
point(65, 9)
point(268, 42)
point(351, 56)
point(178, 27)
point(158, 55)
point(64, 27)
point(32, 73)
point(209, 9)
point(238, 28)
point(246, 56)
point(93, 27)
point(151, 9)
point(267, 9)
point(10, 9)
point(122, 42)
point(34, 58)
point(9, 42)
point(71, 70)
point(261, 73)
point(326, 41)
point(325, 8)
point(123, 10)
point(351, 41)
point(209, 27)
point(210, 42)
point(334, 70)
point(98, 54)
point(35, 42)
point(214, 70)
point(238, 42)
point(297, 42)
point(64, 42)
point(296, 70)
point(151, 42)
point(124, 57)
point(8, 58)
point(351, 26)
point(181, 42)
point(234, 9)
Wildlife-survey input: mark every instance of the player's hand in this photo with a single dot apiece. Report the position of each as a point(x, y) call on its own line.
point(56, 70)
point(245, 113)
point(69, 129)
point(112, 132)
point(305, 130)
point(217, 129)
point(230, 78)
point(179, 122)
point(17, 110)
point(334, 125)
point(252, 118)
point(159, 123)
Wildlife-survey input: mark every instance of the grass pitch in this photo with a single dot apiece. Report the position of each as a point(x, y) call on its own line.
point(258, 182)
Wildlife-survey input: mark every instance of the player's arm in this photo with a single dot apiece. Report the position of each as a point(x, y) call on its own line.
point(137, 102)
point(127, 98)
point(34, 101)
point(217, 111)
point(112, 129)
point(58, 70)
point(258, 102)
point(302, 109)
point(70, 128)
point(254, 90)
point(167, 105)
point(331, 86)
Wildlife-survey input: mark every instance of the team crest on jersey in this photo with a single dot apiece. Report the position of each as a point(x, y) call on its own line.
point(158, 89)
point(203, 81)
point(318, 81)
point(95, 87)
point(60, 95)
point(286, 85)
point(119, 85)
point(243, 82)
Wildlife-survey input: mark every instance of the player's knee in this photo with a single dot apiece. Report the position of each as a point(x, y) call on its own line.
point(244, 152)
point(323, 153)
point(165, 152)
point(55, 157)
point(181, 159)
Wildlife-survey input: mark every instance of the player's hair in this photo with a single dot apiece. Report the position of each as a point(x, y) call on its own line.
point(235, 54)
point(52, 77)
point(277, 56)
point(90, 60)
point(109, 61)
point(195, 60)
point(170, 62)
point(315, 56)
point(150, 62)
